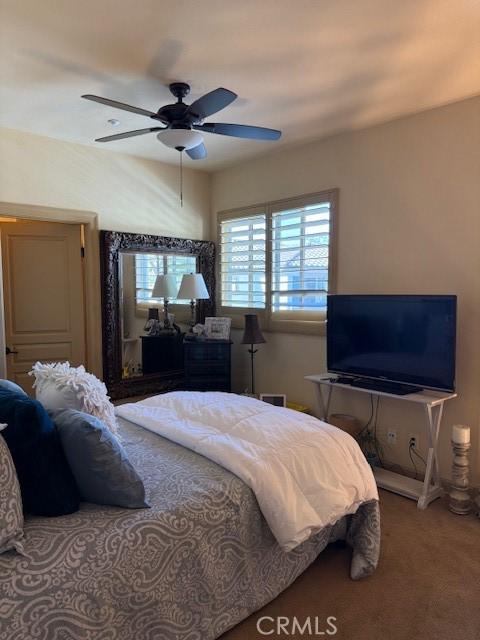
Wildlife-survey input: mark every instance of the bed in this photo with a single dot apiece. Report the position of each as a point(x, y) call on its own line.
point(196, 563)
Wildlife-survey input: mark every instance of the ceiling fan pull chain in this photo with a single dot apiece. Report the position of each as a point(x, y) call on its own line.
point(181, 178)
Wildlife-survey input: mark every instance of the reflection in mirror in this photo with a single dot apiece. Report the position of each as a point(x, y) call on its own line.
point(152, 341)
point(130, 265)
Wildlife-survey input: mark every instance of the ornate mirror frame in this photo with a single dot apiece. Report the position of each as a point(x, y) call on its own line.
point(112, 243)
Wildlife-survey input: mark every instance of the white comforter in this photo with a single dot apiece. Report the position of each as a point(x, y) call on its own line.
point(305, 473)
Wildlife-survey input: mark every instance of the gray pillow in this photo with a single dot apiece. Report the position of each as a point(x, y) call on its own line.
point(98, 461)
point(11, 513)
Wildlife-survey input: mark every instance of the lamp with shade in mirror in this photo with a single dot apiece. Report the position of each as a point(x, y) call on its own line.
point(193, 287)
point(165, 287)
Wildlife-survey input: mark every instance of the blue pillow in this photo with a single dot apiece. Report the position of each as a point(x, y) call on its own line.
point(47, 485)
point(98, 461)
point(8, 385)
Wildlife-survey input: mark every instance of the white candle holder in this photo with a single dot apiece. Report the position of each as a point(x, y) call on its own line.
point(460, 502)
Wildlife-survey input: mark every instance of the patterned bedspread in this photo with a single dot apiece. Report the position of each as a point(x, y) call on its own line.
point(194, 565)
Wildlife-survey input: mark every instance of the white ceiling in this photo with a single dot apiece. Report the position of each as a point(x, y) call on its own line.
point(307, 67)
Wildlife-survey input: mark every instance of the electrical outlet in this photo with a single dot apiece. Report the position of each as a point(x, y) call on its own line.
point(413, 441)
point(392, 437)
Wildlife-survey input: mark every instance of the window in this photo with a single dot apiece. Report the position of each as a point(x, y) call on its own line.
point(150, 265)
point(243, 261)
point(277, 260)
point(300, 244)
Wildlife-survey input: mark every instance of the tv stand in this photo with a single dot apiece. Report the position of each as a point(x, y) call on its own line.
point(394, 388)
point(432, 403)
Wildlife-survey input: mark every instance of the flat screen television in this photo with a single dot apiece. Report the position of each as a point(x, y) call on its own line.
point(405, 339)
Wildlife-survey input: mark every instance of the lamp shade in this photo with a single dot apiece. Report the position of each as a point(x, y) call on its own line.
point(252, 333)
point(165, 287)
point(193, 287)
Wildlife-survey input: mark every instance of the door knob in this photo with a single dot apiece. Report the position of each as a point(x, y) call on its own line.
point(8, 351)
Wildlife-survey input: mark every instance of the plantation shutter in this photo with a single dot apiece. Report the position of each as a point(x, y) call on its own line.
point(243, 261)
point(147, 267)
point(300, 252)
point(178, 265)
point(150, 265)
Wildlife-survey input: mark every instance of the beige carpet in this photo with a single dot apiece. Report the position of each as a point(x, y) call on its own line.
point(427, 585)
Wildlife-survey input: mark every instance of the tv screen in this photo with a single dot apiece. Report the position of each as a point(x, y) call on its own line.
point(405, 339)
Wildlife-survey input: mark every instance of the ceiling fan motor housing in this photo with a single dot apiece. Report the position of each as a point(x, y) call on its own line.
point(177, 114)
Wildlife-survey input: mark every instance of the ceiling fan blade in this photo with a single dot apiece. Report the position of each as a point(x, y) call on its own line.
point(129, 134)
point(197, 153)
point(119, 105)
point(212, 102)
point(239, 131)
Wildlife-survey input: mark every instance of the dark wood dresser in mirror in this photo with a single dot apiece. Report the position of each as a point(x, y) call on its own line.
point(136, 359)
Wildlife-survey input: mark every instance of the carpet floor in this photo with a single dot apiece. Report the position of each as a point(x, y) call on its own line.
point(426, 587)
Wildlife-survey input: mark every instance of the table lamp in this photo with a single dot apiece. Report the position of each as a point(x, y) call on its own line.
point(193, 287)
point(252, 335)
point(165, 287)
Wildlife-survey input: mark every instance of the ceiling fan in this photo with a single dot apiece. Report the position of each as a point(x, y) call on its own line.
point(181, 124)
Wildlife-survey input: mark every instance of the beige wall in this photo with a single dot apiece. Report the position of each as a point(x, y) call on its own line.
point(409, 222)
point(127, 193)
point(62, 180)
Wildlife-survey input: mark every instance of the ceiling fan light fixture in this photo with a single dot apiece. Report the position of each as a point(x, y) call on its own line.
point(179, 138)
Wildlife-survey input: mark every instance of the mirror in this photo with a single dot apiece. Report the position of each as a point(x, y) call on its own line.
point(143, 345)
point(151, 342)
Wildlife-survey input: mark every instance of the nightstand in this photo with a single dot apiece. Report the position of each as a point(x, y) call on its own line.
point(162, 353)
point(207, 365)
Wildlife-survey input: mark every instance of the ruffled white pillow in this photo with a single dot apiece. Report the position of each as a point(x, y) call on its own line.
point(60, 386)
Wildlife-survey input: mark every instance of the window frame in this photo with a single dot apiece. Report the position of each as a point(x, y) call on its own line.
point(305, 322)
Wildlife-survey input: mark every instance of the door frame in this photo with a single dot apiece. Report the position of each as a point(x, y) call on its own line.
point(89, 220)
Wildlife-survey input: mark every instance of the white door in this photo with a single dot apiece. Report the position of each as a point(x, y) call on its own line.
point(43, 292)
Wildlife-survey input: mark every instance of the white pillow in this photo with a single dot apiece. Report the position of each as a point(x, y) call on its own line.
point(11, 513)
point(60, 386)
